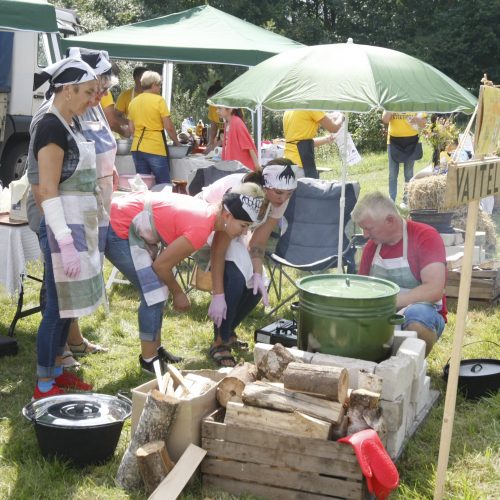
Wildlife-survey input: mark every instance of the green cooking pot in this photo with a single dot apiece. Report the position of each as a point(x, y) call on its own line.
point(347, 315)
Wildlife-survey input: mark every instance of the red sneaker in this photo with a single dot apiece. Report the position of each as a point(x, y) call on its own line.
point(54, 391)
point(71, 381)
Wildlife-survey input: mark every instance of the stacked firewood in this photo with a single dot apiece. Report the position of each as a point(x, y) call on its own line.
point(284, 395)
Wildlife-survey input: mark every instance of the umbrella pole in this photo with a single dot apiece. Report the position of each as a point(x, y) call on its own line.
point(342, 197)
point(259, 134)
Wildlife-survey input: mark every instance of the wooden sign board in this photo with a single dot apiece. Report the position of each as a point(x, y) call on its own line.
point(472, 180)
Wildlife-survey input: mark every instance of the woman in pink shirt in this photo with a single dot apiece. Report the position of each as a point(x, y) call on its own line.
point(152, 232)
point(237, 143)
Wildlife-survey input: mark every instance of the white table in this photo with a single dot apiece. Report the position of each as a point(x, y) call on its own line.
point(18, 246)
point(180, 168)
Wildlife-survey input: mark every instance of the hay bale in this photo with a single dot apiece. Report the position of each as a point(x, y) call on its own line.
point(429, 192)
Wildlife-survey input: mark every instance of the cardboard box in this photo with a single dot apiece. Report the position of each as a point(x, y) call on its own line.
point(187, 426)
point(19, 191)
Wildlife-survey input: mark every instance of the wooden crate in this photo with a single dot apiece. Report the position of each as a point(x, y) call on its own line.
point(485, 284)
point(278, 466)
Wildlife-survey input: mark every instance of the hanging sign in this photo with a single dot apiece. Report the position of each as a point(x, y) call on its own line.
point(487, 139)
point(472, 180)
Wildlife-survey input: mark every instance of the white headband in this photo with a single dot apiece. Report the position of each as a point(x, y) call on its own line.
point(98, 60)
point(70, 70)
point(279, 177)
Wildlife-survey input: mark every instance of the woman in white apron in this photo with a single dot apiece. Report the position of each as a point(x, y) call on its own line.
point(237, 265)
point(66, 193)
point(152, 232)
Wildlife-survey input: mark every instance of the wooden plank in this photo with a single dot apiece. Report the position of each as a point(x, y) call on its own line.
point(282, 478)
point(171, 487)
point(305, 446)
point(280, 458)
point(296, 423)
point(475, 293)
point(241, 487)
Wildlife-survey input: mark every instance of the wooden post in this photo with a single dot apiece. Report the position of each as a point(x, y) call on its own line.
point(451, 388)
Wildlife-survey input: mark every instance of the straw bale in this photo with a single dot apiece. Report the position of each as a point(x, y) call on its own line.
point(429, 192)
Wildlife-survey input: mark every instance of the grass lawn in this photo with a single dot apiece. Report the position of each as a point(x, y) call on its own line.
point(474, 465)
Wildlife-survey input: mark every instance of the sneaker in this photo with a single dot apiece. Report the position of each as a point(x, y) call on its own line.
point(148, 367)
point(71, 381)
point(167, 356)
point(54, 391)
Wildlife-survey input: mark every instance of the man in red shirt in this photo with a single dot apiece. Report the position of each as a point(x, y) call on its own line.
point(410, 254)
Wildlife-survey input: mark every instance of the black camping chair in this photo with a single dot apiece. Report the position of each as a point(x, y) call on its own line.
point(203, 177)
point(309, 235)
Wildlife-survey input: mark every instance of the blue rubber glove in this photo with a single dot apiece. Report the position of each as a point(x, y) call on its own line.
point(260, 286)
point(217, 309)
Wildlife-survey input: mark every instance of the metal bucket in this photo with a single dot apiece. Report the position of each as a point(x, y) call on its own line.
point(347, 315)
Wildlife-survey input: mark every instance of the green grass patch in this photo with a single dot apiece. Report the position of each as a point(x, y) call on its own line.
point(474, 464)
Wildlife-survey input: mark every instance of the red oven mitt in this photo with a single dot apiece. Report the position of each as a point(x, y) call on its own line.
point(381, 474)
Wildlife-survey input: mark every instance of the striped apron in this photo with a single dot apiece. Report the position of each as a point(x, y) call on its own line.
point(83, 295)
point(145, 245)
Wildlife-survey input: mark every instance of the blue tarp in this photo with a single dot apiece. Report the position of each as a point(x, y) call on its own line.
point(6, 43)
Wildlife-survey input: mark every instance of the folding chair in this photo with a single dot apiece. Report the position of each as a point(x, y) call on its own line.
point(203, 177)
point(309, 236)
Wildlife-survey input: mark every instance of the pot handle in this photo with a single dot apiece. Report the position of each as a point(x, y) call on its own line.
point(121, 395)
point(28, 413)
point(476, 342)
point(396, 319)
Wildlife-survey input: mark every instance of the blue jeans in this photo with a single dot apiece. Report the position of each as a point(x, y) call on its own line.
point(53, 331)
point(240, 301)
point(393, 174)
point(150, 317)
point(148, 163)
point(425, 314)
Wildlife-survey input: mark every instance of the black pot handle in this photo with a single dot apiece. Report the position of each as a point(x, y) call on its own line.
point(476, 368)
point(475, 342)
point(28, 414)
point(121, 395)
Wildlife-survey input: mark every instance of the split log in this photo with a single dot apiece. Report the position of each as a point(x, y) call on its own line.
point(297, 423)
point(274, 363)
point(154, 464)
point(340, 430)
point(177, 376)
point(329, 382)
point(366, 418)
point(196, 384)
point(274, 397)
point(369, 381)
point(154, 425)
point(363, 399)
point(231, 387)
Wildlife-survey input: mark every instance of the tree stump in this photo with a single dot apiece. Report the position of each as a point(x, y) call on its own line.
point(274, 363)
point(154, 425)
point(231, 387)
point(329, 382)
point(154, 464)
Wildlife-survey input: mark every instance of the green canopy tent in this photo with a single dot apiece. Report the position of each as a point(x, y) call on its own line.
point(28, 15)
point(199, 35)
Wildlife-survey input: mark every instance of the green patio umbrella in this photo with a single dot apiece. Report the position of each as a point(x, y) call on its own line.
point(346, 77)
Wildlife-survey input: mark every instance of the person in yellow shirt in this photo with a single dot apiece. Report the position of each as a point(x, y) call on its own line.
point(124, 99)
point(216, 122)
point(300, 128)
point(403, 146)
point(148, 118)
point(115, 119)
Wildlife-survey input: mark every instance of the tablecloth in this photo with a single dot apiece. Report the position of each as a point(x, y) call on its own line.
point(18, 246)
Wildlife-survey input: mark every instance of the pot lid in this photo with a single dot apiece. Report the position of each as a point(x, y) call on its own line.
point(78, 410)
point(479, 368)
point(348, 286)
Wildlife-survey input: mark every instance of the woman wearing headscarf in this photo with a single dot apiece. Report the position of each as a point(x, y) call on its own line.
point(237, 143)
point(237, 265)
point(152, 232)
point(65, 190)
point(148, 118)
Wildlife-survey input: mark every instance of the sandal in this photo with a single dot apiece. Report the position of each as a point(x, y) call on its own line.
point(238, 344)
point(68, 361)
point(86, 347)
point(221, 354)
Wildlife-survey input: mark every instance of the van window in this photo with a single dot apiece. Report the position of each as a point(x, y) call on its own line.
point(41, 60)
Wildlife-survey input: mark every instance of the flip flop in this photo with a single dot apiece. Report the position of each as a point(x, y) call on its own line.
point(217, 354)
point(86, 347)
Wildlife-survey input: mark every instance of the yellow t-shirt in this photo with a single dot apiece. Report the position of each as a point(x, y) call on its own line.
point(107, 100)
point(399, 126)
point(147, 112)
point(124, 99)
point(213, 116)
point(297, 126)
